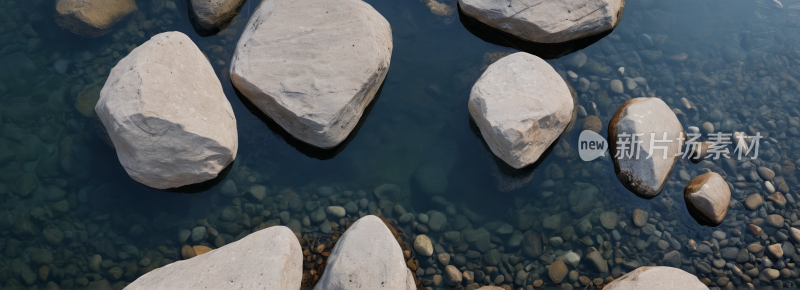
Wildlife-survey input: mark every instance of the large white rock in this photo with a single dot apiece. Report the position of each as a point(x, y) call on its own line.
point(314, 76)
point(521, 106)
point(366, 257)
point(267, 259)
point(657, 278)
point(645, 176)
point(166, 114)
point(212, 15)
point(547, 21)
point(707, 198)
point(92, 18)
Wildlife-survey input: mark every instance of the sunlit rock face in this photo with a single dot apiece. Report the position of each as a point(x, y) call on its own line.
point(271, 258)
point(521, 106)
point(707, 198)
point(92, 18)
point(314, 76)
point(642, 175)
point(164, 110)
point(547, 21)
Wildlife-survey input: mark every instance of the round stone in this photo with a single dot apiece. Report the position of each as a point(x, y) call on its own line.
point(452, 275)
point(592, 123)
point(609, 219)
point(336, 211)
point(616, 86)
point(423, 246)
point(639, 217)
point(557, 271)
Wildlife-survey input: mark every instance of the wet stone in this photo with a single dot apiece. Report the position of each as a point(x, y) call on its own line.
point(753, 201)
point(775, 221)
point(639, 217)
point(609, 220)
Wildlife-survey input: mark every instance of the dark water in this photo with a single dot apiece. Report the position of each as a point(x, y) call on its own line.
point(57, 172)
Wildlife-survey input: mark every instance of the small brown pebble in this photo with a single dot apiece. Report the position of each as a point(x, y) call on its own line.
point(44, 271)
point(584, 280)
point(200, 249)
point(187, 252)
point(609, 279)
point(598, 281)
point(538, 283)
point(319, 248)
point(754, 229)
point(592, 123)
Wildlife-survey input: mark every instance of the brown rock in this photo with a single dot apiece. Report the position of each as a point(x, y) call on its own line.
point(778, 199)
point(592, 123)
point(92, 18)
point(775, 221)
point(707, 198)
point(775, 250)
point(639, 217)
point(557, 271)
point(753, 201)
point(44, 271)
point(200, 249)
point(754, 229)
point(187, 252)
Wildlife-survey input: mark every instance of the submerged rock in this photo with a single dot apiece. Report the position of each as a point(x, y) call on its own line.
point(549, 21)
point(92, 18)
point(213, 15)
point(367, 256)
point(166, 114)
point(652, 118)
point(707, 198)
point(314, 76)
point(268, 259)
point(656, 278)
point(521, 106)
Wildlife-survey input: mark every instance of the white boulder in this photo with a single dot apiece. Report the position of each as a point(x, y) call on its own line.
point(267, 259)
point(213, 15)
point(164, 110)
point(650, 117)
point(707, 198)
point(521, 106)
point(547, 21)
point(314, 76)
point(657, 278)
point(367, 256)
point(92, 18)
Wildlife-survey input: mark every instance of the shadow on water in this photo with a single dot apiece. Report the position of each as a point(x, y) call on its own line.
point(305, 148)
point(543, 50)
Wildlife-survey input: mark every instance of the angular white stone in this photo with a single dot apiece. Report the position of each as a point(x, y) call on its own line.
point(314, 76)
point(547, 21)
point(707, 198)
point(652, 118)
point(166, 114)
point(521, 106)
point(366, 257)
point(267, 259)
point(214, 14)
point(92, 18)
point(656, 278)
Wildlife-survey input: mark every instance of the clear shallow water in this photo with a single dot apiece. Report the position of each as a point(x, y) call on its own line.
point(418, 128)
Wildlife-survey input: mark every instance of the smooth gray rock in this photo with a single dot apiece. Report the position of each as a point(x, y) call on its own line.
point(521, 106)
point(367, 256)
point(267, 259)
point(547, 21)
point(314, 76)
point(656, 278)
point(166, 114)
